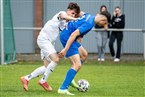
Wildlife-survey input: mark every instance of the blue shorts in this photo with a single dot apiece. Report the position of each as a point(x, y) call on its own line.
point(64, 36)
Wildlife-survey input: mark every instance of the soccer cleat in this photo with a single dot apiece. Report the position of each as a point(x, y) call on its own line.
point(74, 85)
point(46, 86)
point(65, 92)
point(25, 83)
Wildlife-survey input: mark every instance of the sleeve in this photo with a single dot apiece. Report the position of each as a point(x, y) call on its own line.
point(84, 28)
point(61, 12)
point(87, 25)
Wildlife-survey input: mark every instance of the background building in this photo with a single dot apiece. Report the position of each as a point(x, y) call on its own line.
point(35, 13)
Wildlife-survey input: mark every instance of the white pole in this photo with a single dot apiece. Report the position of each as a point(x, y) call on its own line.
point(144, 43)
point(2, 32)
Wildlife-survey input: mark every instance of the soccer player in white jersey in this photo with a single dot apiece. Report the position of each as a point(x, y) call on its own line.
point(45, 41)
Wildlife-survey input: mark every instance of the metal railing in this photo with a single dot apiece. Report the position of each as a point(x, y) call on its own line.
point(125, 30)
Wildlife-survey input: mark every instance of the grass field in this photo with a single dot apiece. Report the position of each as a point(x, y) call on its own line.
point(107, 79)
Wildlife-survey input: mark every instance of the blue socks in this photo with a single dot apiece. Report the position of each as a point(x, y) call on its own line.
point(69, 77)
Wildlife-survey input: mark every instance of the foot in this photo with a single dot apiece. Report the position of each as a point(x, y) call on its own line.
point(25, 83)
point(65, 92)
point(46, 86)
point(102, 59)
point(74, 85)
point(99, 59)
point(116, 60)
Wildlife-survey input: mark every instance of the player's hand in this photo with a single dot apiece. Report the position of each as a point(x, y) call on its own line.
point(62, 53)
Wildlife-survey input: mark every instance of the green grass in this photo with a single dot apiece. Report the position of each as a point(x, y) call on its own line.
point(107, 79)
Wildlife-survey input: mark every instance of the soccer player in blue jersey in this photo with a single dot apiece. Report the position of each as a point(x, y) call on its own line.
point(68, 38)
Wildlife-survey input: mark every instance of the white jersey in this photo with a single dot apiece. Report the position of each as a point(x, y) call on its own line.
point(52, 28)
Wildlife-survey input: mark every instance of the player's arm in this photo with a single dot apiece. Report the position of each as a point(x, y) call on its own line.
point(66, 17)
point(106, 26)
point(72, 38)
point(69, 42)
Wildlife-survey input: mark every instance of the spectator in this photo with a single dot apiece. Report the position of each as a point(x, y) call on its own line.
point(102, 38)
point(118, 22)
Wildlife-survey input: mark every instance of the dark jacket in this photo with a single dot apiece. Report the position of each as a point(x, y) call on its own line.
point(118, 22)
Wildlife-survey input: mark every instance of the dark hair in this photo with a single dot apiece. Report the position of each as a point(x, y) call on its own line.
point(117, 7)
point(107, 15)
point(74, 6)
point(102, 7)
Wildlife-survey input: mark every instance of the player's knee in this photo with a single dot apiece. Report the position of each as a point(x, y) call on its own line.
point(84, 56)
point(56, 59)
point(79, 66)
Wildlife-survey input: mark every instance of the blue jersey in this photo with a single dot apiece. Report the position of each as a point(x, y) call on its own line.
point(84, 24)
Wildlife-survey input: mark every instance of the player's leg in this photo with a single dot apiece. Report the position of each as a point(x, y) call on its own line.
point(35, 73)
point(76, 65)
point(39, 71)
point(83, 53)
point(73, 83)
point(45, 85)
point(49, 53)
point(50, 68)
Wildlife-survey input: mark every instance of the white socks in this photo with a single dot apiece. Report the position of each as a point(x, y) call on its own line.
point(50, 68)
point(42, 70)
point(35, 73)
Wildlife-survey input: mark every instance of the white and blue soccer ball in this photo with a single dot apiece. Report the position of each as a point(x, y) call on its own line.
point(83, 85)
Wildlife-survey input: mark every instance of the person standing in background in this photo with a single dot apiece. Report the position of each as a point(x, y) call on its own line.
point(118, 22)
point(102, 38)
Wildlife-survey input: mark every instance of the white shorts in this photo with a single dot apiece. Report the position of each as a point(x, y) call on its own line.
point(47, 48)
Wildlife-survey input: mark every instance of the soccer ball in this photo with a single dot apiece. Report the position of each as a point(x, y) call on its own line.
point(83, 85)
